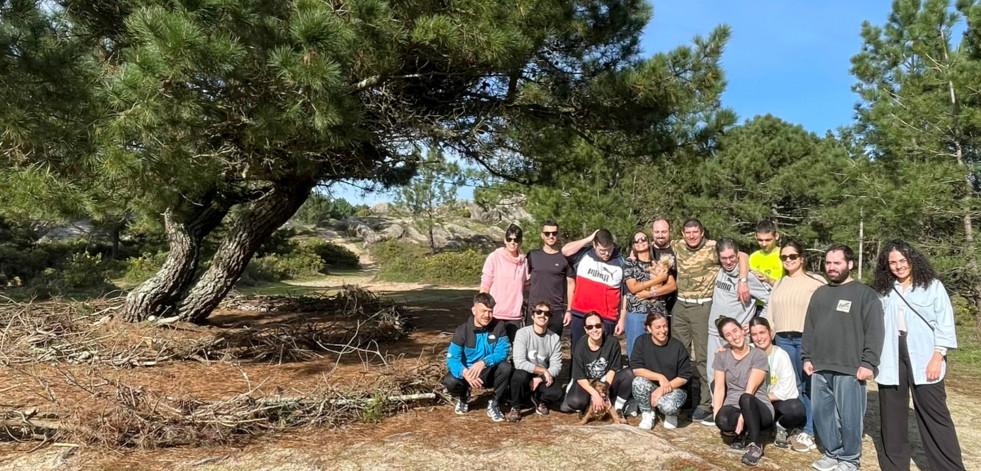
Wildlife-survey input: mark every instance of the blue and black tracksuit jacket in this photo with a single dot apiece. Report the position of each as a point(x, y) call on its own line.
point(471, 344)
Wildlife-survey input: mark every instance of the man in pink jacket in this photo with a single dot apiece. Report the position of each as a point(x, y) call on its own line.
point(505, 277)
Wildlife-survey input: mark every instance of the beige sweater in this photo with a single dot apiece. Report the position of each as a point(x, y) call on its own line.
point(789, 300)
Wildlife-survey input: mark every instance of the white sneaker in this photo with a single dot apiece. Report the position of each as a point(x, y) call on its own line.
point(671, 422)
point(647, 420)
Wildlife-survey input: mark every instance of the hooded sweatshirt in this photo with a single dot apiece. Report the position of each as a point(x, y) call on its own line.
point(505, 278)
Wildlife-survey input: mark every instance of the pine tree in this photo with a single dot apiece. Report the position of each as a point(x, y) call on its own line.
point(919, 118)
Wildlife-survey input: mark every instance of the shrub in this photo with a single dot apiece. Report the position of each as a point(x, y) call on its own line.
point(410, 263)
point(299, 264)
point(139, 269)
point(333, 255)
point(454, 268)
point(279, 243)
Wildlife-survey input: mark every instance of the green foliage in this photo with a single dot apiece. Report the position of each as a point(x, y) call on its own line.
point(920, 119)
point(374, 410)
point(280, 242)
point(320, 208)
point(299, 264)
point(402, 262)
point(138, 269)
point(332, 255)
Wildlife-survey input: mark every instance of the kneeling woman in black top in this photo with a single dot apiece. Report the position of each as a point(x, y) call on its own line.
point(599, 357)
point(740, 403)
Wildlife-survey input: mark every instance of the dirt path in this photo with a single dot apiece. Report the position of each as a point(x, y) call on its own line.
point(436, 438)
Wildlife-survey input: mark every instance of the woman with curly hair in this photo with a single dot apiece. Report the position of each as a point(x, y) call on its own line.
point(919, 326)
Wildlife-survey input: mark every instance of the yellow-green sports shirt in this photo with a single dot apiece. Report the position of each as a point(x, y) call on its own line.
point(769, 263)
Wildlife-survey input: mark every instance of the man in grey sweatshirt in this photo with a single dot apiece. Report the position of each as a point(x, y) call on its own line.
point(537, 362)
point(843, 335)
point(725, 300)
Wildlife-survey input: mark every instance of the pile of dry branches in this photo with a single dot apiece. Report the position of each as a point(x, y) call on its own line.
point(349, 321)
point(117, 414)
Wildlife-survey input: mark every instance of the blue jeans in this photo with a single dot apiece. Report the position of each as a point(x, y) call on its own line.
point(839, 402)
point(633, 328)
point(790, 343)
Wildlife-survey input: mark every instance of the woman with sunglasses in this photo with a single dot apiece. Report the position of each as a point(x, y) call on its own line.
point(740, 403)
point(919, 325)
point(505, 277)
point(786, 311)
point(599, 357)
point(642, 297)
point(537, 362)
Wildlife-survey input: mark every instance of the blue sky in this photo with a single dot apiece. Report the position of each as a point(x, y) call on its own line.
point(787, 58)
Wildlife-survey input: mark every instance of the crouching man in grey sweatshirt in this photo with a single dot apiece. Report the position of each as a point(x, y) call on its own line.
point(537, 362)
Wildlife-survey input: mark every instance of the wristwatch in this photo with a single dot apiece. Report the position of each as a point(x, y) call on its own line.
point(744, 280)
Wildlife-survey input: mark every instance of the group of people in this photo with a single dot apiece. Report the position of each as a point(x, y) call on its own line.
point(756, 340)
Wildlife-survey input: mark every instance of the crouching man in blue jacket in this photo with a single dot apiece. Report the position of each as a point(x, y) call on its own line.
point(477, 357)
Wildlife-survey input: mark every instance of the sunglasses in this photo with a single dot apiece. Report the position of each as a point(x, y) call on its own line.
point(542, 312)
point(640, 240)
point(513, 239)
point(550, 233)
point(594, 326)
point(792, 256)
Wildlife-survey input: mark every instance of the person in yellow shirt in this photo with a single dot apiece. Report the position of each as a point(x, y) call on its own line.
point(765, 263)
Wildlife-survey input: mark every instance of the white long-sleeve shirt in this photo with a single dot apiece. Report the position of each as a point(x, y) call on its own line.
point(783, 378)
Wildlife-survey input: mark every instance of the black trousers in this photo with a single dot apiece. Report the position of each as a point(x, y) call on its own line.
point(498, 376)
point(932, 418)
point(577, 399)
point(790, 414)
point(521, 390)
point(756, 417)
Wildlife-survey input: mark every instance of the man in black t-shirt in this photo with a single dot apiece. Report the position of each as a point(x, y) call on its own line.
point(552, 278)
point(661, 245)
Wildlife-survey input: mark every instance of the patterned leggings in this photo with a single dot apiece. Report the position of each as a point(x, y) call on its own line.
point(668, 404)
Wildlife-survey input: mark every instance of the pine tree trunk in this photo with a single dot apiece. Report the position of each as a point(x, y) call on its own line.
point(158, 296)
point(247, 233)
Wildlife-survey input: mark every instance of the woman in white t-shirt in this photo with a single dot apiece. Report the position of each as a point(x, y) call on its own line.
point(788, 410)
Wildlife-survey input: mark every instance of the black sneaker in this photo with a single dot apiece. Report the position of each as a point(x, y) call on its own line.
point(701, 415)
point(753, 455)
point(739, 442)
point(514, 415)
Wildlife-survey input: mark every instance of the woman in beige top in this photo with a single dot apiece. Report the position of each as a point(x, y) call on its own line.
point(786, 310)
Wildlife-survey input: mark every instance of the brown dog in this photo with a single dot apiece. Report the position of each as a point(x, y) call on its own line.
point(604, 390)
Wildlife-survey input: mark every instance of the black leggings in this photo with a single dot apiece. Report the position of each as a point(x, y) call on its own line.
point(577, 399)
point(756, 417)
point(790, 413)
